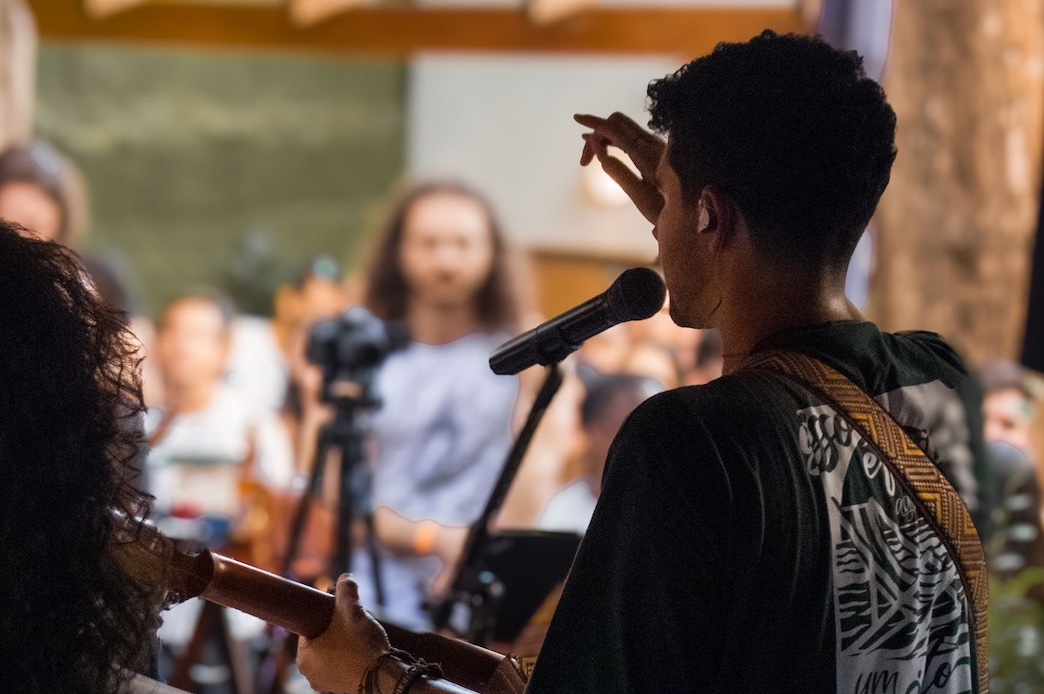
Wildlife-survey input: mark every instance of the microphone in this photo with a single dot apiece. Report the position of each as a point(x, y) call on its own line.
point(636, 294)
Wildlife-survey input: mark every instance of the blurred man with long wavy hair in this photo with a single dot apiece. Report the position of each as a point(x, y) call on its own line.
point(443, 430)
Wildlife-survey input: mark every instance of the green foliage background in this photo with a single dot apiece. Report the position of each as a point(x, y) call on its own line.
point(223, 170)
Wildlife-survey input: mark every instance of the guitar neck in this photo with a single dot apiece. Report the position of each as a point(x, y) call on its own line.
point(303, 610)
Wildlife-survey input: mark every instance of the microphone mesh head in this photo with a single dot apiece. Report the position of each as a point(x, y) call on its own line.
point(636, 294)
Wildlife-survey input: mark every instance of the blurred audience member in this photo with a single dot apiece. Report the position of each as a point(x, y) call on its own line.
point(607, 351)
point(42, 191)
point(609, 401)
point(210, 446)
point(1009, 406)
point(1010, 415)
point(207, 438)
point(443, 430)
point(656, 361)
point(709, 359)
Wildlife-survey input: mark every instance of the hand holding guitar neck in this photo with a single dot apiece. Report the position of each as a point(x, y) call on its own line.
point(296, 607)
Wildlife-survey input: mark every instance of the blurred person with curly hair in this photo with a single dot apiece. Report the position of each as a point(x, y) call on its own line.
point(72, 618)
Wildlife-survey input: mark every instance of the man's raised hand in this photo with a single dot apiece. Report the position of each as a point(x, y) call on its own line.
point(644, 149)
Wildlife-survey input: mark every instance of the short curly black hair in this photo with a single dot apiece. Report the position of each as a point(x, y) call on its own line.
point(792, 130)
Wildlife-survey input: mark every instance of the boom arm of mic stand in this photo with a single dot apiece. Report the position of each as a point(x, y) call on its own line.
point(468, 566)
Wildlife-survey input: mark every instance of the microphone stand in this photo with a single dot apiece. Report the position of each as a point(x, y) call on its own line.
point(474, 586)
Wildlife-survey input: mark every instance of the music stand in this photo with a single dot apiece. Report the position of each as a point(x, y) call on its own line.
point(529, 564)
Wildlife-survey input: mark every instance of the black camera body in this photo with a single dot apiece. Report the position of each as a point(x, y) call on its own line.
point(349, 349)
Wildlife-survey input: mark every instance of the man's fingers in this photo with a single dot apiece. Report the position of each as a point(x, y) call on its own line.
point(622, 174)
point(625, 125)
point(641, 146)
point(644, 196)
point(599, 145)
point(347, 589)
point(589, 121)
point(588, 154)
point(618, 129)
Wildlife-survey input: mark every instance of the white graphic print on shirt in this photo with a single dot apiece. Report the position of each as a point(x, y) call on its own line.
point(899, 607)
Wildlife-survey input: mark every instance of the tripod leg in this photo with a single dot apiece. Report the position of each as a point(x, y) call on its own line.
point(356, 501)
point(301, 514)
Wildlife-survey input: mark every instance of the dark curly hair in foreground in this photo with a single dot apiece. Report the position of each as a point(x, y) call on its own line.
point(792, 130)
point(71, 618)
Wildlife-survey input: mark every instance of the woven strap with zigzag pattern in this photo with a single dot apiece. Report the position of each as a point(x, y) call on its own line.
point(940, 502)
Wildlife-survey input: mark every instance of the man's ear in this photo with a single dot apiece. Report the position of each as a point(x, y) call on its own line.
point(716, 213)
point(702, 218)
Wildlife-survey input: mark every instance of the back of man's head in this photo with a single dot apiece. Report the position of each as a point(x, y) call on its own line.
point(792, 130)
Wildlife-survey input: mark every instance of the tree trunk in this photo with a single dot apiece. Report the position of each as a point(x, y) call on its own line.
point(955, 226)
point(17, 72)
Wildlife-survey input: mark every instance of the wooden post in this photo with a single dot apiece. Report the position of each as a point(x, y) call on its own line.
point(956, 223)
point(17, 72)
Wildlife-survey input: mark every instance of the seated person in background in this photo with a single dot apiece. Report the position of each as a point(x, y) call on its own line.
point(72, 619)
point(609, 401)
point(1010, 414)
point(42, 192)
point(209, 446)
point(1009, 404)
point(207, 439)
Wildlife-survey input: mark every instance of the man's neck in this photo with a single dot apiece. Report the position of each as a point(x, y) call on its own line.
point(190, 398)
point(439, 325)
point(776, 305)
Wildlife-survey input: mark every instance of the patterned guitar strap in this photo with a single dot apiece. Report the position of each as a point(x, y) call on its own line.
point(939, 502)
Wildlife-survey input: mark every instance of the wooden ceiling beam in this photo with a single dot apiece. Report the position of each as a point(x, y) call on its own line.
point(401, 31)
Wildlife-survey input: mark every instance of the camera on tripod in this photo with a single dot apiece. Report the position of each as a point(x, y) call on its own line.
point(349, 349)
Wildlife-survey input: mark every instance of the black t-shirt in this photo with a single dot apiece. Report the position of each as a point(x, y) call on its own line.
point(744, 544)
